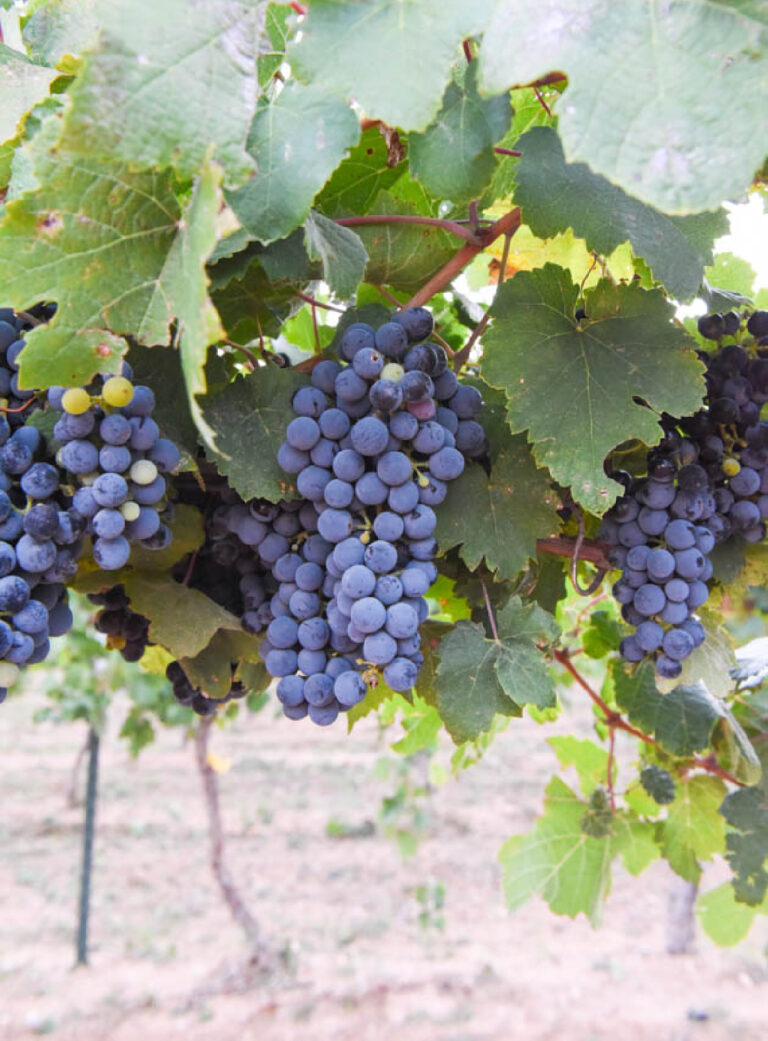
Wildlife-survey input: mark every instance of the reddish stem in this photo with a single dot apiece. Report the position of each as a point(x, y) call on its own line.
point(542, 102)
point(318, 303)
point(615, 721)
point(21, 408)
point(560, 546)
point(506, 225)
point(297, 7)
point(467, 46)
point(507, 151)
point(404, 218)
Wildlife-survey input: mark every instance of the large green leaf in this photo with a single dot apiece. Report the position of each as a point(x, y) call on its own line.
point(185, 285)
point(558, 860)
point(694, 830)
point(368, 169)
point(573, 385)
point(405, 256)
point(511, 508)
point(59, 27)
point(478, 677)
point(297, 141)
point(392, 56)
point(339, 249)
point(555, 195)
point(211, 668)
point(168, 83)
point(22, 86)
point(723, 918)
point(249, 419)
point(116, 252)
point(454, 157)
point(183, 620)
point(746, 811)
point(674, 70)
point(681, 721)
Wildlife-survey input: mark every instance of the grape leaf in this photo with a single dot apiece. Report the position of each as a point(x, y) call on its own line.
point(22, 86)
point(723, 918)
point(183, 620)
point(277, 29)
point(658, 132)
point(297, 140)
point(249, 419)
point(168, 85)
point(355, 183)
point(211, 668)
point(342, 253)
point(511, 508)
point(251, 305)
point(746, 811)
point(160, 369)
point(369, 50)
point(557, 860)
point(60, 27)
point(636, 842)
point(710, 662)
point(589, 759)
point(454, 157)
point(572, 385)
point(478, 677)
point(694, 830)
point(188, 535)
point(682, 720)
point(469, 693)
point(184, 283)
point(113, 249)
point(555, 195)
point(405, 256)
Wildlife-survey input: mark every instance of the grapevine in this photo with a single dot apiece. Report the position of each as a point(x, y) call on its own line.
point(346, 362)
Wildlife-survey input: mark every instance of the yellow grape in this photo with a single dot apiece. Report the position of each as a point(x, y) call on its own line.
point(76, 401)
point(117, 391)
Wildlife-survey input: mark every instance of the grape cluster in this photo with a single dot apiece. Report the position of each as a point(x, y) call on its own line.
point(40, 536)
point(373, 444)
point(125, 629)
point(706, 481)
point(17, 403)
point(112, 448)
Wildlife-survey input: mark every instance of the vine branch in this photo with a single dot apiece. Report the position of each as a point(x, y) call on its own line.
point(232, 897)
point(615, 721)
point(405, 218)
point(506, 225)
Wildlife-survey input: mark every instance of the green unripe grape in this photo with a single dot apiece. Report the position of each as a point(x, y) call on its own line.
point(9, 673)
point(731, 467)
point(130, 510)
point(143, 472)
point(117, 392)
point(76, 401)
point(392, 371)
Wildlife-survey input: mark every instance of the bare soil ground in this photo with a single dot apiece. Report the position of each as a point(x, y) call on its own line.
point(167, 960)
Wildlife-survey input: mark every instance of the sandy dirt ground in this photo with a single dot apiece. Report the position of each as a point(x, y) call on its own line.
point(357, 963)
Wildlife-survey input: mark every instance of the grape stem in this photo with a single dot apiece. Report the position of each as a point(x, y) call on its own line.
point(615, 721)
point(561, 546)
point(489, 610)
point(462, 357)
point(406, 218)
point(594, 585)
point(506, 225)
